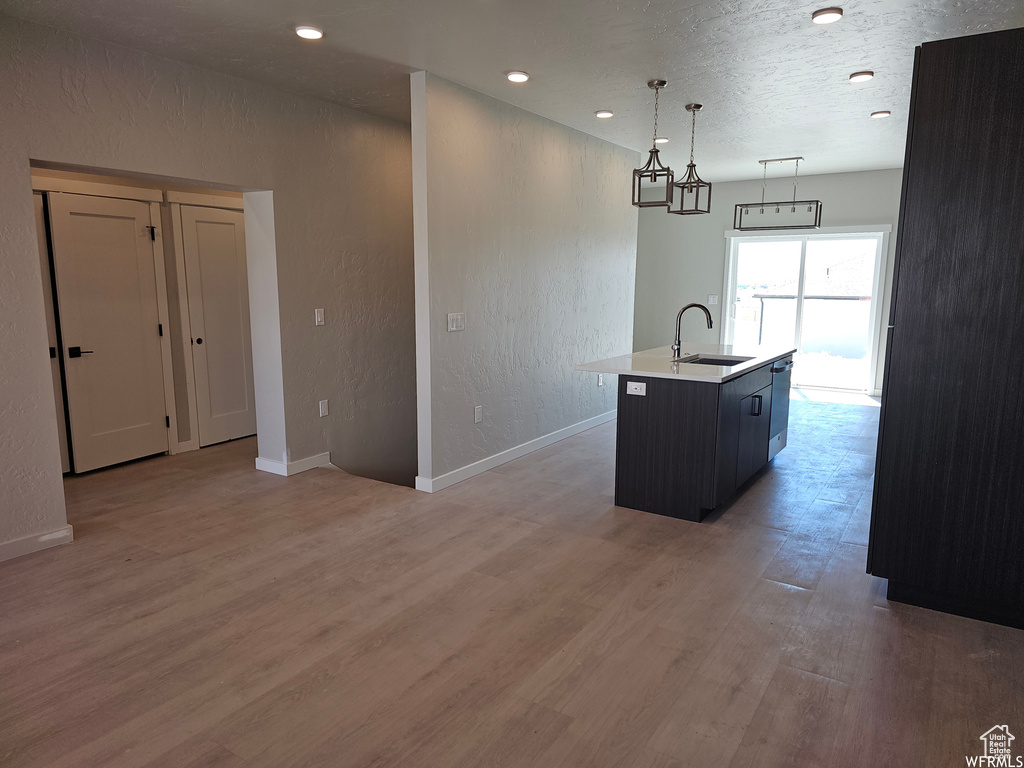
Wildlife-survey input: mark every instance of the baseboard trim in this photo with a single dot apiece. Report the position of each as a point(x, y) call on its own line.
point(434, 484)
point(293, 467)
point(29, 544)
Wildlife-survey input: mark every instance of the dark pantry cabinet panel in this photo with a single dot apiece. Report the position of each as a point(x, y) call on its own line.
point(947, 525)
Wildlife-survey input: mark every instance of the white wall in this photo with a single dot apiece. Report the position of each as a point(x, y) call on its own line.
point(683, 258)
point(342, 203)
point(526, 226)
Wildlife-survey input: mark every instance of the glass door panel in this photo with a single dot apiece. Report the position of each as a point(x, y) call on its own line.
point(835, 340)
point(767, 286)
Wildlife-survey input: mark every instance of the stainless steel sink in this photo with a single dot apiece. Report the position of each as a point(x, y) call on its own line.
point(721, 360)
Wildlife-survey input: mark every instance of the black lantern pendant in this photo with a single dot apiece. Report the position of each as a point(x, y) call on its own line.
point(652, 184)
point(691, 194)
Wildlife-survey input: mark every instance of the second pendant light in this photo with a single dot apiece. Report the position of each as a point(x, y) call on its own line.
point(691, 194)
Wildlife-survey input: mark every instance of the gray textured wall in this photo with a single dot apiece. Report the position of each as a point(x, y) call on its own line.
point(682, 258)
point(530, 232)
point(342, 197)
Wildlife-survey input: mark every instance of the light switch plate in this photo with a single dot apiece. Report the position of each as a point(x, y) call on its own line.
point(456, 321)
point(600, 379)
point(636, 388)
point(318, 317)
point(323, 408)
point(478, 414)
point(712, 299)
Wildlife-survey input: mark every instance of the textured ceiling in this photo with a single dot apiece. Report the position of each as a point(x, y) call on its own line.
point(772, 83)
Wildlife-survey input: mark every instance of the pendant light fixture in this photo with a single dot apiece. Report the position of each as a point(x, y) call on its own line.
point(691, 194)
point(652, 184)
point(782, 214)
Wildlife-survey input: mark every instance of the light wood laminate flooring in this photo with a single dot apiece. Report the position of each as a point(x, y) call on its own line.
point(211, 615)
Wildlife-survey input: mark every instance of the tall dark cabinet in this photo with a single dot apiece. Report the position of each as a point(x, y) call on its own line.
point(947, 522)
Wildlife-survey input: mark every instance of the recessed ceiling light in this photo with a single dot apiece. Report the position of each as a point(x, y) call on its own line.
point(515, 76)
point(309, 33)
point(661, 139)
point(827, 15)
point(881, 113)
point(861, 77)
point(604, 114)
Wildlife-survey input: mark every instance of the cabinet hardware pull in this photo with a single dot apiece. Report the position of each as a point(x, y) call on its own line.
point(755, 406)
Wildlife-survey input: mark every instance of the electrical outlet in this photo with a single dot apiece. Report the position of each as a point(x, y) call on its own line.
point(323, 408)
point(478, 414)
point(318, 317)
point(712, 299)
point(456, 321)
point(636, 388)
point(600, 379)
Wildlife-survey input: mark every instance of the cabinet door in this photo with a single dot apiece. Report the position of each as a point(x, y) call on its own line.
point(755, 426)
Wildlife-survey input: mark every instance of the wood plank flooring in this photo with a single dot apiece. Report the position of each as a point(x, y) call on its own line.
point(211, 615)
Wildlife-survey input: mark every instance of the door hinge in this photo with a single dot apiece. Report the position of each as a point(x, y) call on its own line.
point(160, 328)
point(167, 420)
point(152, 232)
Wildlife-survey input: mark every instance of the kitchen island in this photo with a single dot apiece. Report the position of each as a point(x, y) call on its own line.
point(694, 427)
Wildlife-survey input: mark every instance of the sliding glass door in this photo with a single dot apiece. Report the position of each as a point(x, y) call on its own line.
point(818, 293)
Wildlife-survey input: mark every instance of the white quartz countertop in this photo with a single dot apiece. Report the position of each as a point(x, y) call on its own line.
point(658, 364)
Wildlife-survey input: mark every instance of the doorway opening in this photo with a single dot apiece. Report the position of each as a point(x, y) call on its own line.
point(147, 308)
point(820, 293)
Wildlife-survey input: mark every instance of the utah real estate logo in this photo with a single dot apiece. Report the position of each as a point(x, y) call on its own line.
point(998, 750)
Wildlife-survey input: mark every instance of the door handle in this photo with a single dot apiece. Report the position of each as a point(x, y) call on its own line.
point(199, 340)
point(78, 351)
point(755, 406)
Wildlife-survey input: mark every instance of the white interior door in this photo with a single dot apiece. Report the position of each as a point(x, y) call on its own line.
point(51, 333)
point(218, 304)
point(105, 267)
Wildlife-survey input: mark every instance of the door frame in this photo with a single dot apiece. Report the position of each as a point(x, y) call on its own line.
point(178, 254)
point(881, 231)
point(168, 250)
point(163, 311)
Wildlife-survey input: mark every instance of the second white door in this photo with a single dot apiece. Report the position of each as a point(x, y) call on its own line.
point(218, 302)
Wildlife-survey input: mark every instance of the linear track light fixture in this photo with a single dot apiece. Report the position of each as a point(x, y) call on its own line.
point(792, 214)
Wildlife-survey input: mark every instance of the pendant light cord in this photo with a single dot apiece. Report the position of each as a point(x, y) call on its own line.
point(764, 184)
point(654, 140)
point(796, 180)
point(693, 132)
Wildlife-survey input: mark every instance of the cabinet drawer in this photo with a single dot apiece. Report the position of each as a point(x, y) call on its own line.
point(749, 383)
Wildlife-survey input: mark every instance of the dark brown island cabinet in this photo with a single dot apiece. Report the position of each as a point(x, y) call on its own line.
point(947, 521)
point(685, 447)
